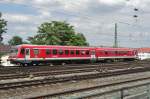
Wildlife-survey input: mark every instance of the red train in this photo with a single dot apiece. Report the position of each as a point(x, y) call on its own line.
point(41, 54)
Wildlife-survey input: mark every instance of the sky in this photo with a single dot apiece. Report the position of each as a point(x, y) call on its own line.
point(94, 18)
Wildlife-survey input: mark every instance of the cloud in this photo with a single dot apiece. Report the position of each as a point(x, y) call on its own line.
point(75, 5)
point(16, 17)
point(112, 2)
point(94, 18)
point(139, 3)
point(14, 1)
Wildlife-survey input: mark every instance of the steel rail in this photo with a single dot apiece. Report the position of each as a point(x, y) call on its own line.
point(55, 79)
point(40, 68)
point(93, 88)
point(67, 71)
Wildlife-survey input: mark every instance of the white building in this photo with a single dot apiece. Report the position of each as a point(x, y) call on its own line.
point(143, 53)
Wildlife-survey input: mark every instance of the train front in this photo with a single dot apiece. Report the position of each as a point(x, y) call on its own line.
point(9, 58)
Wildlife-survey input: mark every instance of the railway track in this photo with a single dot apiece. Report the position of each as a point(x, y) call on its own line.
point(71, 93)
point(71, 73)
point(60, 70)
point(64, 78)
point(57, 72)
point(16, 69)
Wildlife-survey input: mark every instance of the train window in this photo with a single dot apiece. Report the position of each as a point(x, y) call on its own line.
point(87, 52)
point(82, 52)
point(22, 51)
point(54, 51)
point(71, 52)
point(106, 52)
point(77, 52)
point(101, 52)
point(125, 52)
point(113, 52)
point(116, 52)
point(60, 52)
point(119, 52)
point(122, 52)
point(66, 52)
point(36, 51)
point(48, 52)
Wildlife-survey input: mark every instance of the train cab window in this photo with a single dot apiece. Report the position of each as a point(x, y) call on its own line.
point(66, 52)
point(60, 52)
point(22, 51)
point(72, 52)
point(77, 52)
point(87, 52)
point(54, 52)
point(36, 51)
point(48, 52)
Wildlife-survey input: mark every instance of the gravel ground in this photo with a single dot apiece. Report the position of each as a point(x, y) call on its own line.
point(26, 92)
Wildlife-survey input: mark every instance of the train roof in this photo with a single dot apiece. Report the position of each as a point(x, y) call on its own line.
point(114, 49)
point(53, 46)
point(82, 47)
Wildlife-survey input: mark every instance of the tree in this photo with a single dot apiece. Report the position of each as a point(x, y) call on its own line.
point(3, 29)
point(16, 40)
point(77, 40)
point(57, 33)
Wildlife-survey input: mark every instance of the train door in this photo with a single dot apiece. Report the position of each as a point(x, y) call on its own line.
point(27, 53)
point(93, 57)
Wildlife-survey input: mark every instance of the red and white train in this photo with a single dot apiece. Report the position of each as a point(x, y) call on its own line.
point(41, 54)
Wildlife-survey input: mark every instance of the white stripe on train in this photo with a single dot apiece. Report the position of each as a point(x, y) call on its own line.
point(74, 58)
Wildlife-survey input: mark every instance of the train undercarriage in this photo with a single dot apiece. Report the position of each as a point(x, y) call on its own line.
point(6, 62)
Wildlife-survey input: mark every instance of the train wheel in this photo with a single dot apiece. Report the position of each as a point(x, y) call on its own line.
point(63, 63)
point(25, 64)
point(108, 61)
point(36, 64)
point(19, 64)
point(51, 64)
point(22, 64)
